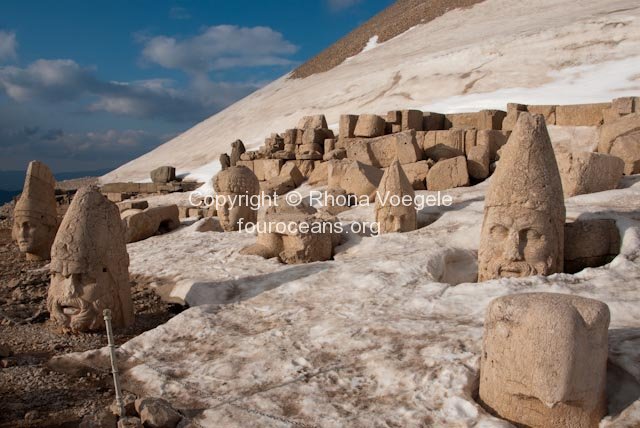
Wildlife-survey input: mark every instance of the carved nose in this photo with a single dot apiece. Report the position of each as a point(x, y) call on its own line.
point(72, 285)
point(512, 248)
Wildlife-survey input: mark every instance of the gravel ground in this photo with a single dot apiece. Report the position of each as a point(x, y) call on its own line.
point(394, 20)
point(31, 394)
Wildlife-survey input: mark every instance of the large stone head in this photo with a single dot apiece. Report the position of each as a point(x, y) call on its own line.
point(236, 189)
point(90, 266)
point(35, 216)
point(395, 208)
point(524, 213)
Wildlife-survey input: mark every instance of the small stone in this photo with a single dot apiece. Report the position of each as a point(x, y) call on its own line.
point(157, 413)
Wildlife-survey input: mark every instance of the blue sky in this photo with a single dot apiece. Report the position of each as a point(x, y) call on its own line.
point(90, 85)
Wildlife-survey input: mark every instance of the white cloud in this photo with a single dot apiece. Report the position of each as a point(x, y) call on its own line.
point(8, 45)
point(220, 47)
point(338, 5)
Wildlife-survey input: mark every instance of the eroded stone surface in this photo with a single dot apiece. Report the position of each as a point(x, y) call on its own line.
point(235, 187)
point(395, 206)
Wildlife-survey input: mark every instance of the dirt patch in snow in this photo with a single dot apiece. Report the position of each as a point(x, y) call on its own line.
point(394, 20)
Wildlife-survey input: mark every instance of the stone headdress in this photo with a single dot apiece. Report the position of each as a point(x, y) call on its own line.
point(38, 199)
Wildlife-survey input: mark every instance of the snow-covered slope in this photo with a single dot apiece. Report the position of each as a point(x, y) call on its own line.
point(498, 51)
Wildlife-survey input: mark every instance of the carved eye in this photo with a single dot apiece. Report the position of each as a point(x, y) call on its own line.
point(532, 235)
point(498, 231)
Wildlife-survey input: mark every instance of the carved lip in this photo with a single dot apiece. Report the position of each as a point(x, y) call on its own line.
point(509, 272)
point(70, 310)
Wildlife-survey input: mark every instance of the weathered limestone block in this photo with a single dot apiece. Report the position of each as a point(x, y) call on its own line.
point(470, 139)
point(246, 164)
point(265, 169)
point(548, 111)
point(590, 243)
point(513, 113)
point(319, 174)
point(277, 185)
point(90, 266)
point(289, 169)
point(317, 121)
point(586, 172)
point(141, 225)
point(284, 155)
point(335, 154)
point(305, 166)
point(132, 205)
point(440, 145)
point(490, 119)
point(289, 137)
point(523, 228)
point(232, 209)
point(448, 173)
point(461, 120)
point(35, 218)
point(622, 138)
point(432, 121)
point(249, 156)
point(381, 151)
point(478, 160)
point(417, 174)
point(329, 144)
point(369, 125)
point(347, 125)
point(157, 413)
point(544, 360)
point(335, 171)
point(237, 150)
point(411, 119)
point(163, 174)
point(494, 139)
point(361, 180)
point(314, 136)
point(395, 207)
point(580, 114)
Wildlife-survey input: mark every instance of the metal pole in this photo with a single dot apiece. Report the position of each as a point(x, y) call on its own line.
point(114, 363)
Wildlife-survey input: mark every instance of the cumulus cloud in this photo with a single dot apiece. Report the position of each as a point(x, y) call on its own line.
point(57, 81)
point(338, 5)
point(8, 45)
point(220, 47)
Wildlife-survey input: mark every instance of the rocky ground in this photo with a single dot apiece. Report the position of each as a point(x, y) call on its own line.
point(32, 395)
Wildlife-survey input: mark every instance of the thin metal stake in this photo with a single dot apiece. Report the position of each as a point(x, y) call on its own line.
point(114, 362)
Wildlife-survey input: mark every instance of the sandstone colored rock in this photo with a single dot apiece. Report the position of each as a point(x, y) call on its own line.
point(237, 150)
point(163, 174)
point(411, 119)
point(586, 172)
point(622, 138)
point(369, 125)
point(225, 161)
point(35, 218)
point(382, 151)
point(319, 174)
point(246, 164)
point(277, 185)
point(132, 205)
point(152, 221)
point(432, 121)
point(306, 167)
point(335, 171)
point(157, 413)
point(294, 234)
point(336, 154)
point(395, 208)
point(478, 160)
point(90, 266)
point(236, 189)
point(548, 111)
point(317, 121)
point(347, 125)
point(440, 145)
point(523, 228)
point(289, 169)
point(417, 174)
point(580, 114)
point(590, 243)
point(490, 119)
point(361, 180)
point(314, 136)
point(209, 224)
point(448, 173)
point(264, 169)
point(494, 139)
point(544, 360)
point(329, 144)
point(461, 120)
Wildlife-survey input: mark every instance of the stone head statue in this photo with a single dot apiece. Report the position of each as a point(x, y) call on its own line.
point(524, 212)
point(35, 216)
point(395, 208)
point(236, 188)
point(90, 266)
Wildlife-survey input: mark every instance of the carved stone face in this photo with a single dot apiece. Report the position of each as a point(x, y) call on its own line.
point(33, 237)
point(231, 209)
point(396, 219)
point(76, 298)
point(517, 242)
